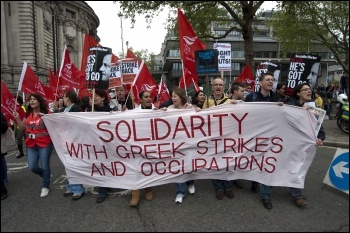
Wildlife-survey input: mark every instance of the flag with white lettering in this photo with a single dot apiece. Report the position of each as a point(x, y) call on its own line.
point(144, 81)
point(189, 43)
point(29, 83)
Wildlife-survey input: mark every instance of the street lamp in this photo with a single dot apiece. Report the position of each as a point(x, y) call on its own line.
point(53, 11)
point(121, 28)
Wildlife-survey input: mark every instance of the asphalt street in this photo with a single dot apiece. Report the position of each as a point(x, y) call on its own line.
point(25, 211)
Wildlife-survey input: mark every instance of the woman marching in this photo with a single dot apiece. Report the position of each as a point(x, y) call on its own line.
point(38, 142)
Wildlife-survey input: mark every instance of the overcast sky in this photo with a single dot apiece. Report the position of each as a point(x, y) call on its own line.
point(139, 37)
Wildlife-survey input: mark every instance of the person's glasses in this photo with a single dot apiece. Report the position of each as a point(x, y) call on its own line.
point(218, 85)
point(305, 89)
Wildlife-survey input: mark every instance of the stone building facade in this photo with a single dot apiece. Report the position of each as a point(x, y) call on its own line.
point(37, 31)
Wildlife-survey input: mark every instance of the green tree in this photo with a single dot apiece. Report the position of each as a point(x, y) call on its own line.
point(302, 26)
point(237, 15)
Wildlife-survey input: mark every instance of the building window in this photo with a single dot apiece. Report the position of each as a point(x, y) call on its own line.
point(70, 14)
point(236, 67)
point(237, 54)
point(174, 53)
point(47, 50)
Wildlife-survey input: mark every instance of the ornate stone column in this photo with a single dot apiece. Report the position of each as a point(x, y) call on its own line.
point(79, 45)
point(4, 51)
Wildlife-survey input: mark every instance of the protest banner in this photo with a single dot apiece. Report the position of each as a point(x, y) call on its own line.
point(224, 56)
point(129, 70)
point(115, 79)
point(141, 148)
point(303, 68)
point(267, 66)
point(98, 67)
point(206, 61)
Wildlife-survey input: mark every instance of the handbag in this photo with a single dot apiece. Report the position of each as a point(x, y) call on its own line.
point(8, 141)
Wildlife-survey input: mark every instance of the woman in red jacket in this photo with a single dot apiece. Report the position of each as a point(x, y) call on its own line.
point(38, 142)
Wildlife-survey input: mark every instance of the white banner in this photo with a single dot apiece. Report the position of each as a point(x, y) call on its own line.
point(264, 142)
point(224, 57)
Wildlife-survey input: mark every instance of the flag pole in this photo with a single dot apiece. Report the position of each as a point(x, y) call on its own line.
point(183, 74)
point(58, 80)
point(207, 81)
point(132, 101)
point(93, 100)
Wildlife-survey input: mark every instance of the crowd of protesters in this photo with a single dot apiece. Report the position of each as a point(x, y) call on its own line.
point(39, 145)
point(325, 95)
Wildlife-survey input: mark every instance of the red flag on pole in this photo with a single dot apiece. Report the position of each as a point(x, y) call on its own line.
point(144, 82)
point(246, 76)
point(163, 93)
point(115, 58)
point(88, 42)
point(189, 43)
point(29, 82)
point(69, 74)
point(9, 104)
point(130, 54)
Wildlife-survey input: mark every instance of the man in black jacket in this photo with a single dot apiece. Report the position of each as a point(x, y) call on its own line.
point(265, 94)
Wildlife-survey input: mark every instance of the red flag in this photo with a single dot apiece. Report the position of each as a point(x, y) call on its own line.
point(53, 84)
point(9, 104)
point(188, 78)
point(246, 76)
point(29, 82)
point(130, 54)
point(49, 93)
point(144, 82)
point(115, 58)
point(83, 92)
point(163, 93)
point(189, 43)
point(69, 76)
point(88, 42)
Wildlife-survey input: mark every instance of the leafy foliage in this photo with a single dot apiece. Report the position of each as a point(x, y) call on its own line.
point(302, 26)
point(237, 15)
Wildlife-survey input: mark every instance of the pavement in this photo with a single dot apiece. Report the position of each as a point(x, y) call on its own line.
point(334, 136)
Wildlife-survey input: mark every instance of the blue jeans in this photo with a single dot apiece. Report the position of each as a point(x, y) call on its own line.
point(103, 191)
point(222, 185)
point(181, 187)
point(265, 191)
point(76, 189)
point(296, 193)
point(43, 154)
